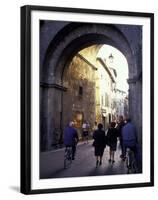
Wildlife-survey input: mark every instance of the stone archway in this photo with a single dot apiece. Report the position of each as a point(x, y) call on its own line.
point(58, 58)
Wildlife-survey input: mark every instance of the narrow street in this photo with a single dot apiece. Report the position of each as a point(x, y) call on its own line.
point(52, 163)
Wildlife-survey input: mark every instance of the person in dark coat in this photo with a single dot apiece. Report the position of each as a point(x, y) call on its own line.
point(112, 135)
point(99, 144)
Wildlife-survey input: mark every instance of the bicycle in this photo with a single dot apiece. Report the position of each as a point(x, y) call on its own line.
point(131, 163)
point(68, 157)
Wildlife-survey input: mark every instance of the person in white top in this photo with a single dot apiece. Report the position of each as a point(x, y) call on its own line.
point(85, 131)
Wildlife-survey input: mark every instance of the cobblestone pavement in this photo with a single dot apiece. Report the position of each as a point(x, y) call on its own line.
point(52, 163)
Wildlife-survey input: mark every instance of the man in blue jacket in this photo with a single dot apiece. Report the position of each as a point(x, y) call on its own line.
point(71, 138)
point(129, 137)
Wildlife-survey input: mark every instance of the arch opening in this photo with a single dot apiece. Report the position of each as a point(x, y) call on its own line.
point(96, 89)
point(59, 59)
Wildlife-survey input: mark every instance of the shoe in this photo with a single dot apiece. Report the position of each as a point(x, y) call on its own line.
point(109, 160)
point(73, 158)
point(113, 161)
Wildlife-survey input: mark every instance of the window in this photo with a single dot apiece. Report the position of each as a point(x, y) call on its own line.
point(80, 90)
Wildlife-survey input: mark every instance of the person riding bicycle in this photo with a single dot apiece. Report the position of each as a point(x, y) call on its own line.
point(129, 137)
point(71, 138)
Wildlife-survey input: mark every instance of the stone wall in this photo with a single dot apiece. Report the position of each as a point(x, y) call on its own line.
point(79, 99)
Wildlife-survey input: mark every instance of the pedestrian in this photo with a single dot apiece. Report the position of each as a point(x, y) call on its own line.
point(71, 138)
point(120, 125)
point(85, 131)
point(112, 135)
point(129, 137)
point(99, 144)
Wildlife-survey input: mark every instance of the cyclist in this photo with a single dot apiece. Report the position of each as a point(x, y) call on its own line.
point(71, 138)
point(129, 137)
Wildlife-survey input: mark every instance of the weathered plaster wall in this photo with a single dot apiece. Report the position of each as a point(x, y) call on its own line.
point(79, 74)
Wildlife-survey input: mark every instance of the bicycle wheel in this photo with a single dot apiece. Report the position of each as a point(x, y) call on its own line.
point(131, 162)
point(68, 157)
point(128, 161)
point(127, 164)
point(133, 165)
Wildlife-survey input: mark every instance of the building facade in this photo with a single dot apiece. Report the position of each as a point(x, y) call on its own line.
point(106, 91)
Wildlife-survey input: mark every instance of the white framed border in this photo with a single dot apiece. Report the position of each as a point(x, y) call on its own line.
point(37, 183)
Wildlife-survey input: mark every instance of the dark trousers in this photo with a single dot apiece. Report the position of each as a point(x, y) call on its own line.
point(73, 149)
point(132, 148)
